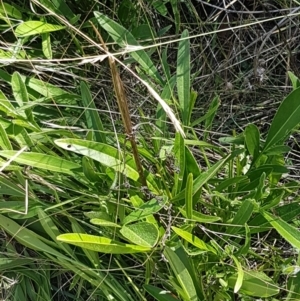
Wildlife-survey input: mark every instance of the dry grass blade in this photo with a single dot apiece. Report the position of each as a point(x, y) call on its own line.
point(123, 107)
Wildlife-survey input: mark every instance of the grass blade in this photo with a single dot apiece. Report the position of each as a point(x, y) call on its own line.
point(285, 120)
point(184, 77)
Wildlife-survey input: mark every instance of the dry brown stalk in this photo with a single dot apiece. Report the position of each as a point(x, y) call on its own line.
point(123, 107)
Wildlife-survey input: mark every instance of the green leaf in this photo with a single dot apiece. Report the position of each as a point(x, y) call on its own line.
point(91, 113)
point(288, 232)
point(52, 230)
point(59, 7)
point(100, 152)
point(43, 161)
point(294, 79)
point(100, 244)
point(194, 240)
point(293, 287)
point(184, 77)
point(256, 284)
point(241, 217)
point(19, 89)
point(148, 208)
point(189, 196)
point(89, 170)
point(202, 179)
point(209, 115)
point(27, 237)
point(4, 140)
point(285, 120)
point(30, 28)
point(9, 10)
point(124, 38)
point(286, 212)
point(182, 275)
point(252, 139)
point(199, 217)
point(142, 234)
point(179, 154)
point(240, 275)
point(159, 294)
point(46, 45)
point(103, 223)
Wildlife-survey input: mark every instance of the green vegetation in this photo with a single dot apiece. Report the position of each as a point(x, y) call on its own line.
point(140, 158)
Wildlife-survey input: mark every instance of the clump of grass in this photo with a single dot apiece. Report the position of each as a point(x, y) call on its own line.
point(161, 174)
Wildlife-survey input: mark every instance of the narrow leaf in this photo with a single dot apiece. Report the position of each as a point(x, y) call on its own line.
point(194, 240)
point(30, 28)
point(39, 160)
point(183, 77)
point(100, 244)
point(182, 275)
point(285, 120)
point(288, 232)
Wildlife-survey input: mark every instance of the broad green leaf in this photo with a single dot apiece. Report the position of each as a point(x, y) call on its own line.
point(182, 275)
point(159, 294)
point(252, 139)
point(285, 120)
point(241, 217)
point(30, 28)
point(93, 119)
point(194, 240)
point(288, 232)
point(100, 244)
point(142, 234)
point(148, 208)
point(124, 38)
point(39, 160)
point(201, 218)
point(256, 284)
point(184, 77)
point(46, 45)
point(100, 152)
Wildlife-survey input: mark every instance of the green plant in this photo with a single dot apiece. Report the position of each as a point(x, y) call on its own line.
point(177, 218)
